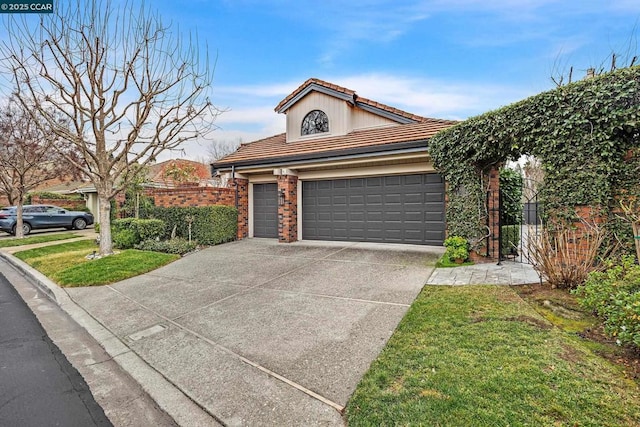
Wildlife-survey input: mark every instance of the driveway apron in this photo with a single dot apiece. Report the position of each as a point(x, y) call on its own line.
point(261, 333)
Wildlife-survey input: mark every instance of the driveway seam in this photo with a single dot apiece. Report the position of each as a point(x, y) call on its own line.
point(238, 356)
point(249, 288)
point(399, 304)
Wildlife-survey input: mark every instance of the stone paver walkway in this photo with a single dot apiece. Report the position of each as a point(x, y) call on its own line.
point(507, 273)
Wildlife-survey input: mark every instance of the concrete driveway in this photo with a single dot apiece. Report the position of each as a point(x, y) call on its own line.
point(261, 333)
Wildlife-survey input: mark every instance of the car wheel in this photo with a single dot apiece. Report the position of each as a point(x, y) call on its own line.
point(26, 229)
point(79, 224)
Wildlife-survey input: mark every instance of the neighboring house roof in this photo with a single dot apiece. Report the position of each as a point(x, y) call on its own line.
point(350, 96)
point(157, 175)
point(62, 187)
point(276, 149)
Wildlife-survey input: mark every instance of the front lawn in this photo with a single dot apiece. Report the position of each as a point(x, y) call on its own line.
point(482, 356)
point(5, 243)
point(67, 265)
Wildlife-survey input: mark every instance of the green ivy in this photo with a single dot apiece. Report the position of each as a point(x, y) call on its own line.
point(511, 188)
point(586, 135)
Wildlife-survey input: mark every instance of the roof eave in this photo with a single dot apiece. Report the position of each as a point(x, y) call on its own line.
point(310, 88)
point(417, 145)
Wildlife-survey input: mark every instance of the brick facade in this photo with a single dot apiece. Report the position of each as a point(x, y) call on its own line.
point(192, 196)
point(288, 211)
point(241, 185)
point(491, 252)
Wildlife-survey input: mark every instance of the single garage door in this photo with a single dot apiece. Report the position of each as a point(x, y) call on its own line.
point(265, 210)
point(391, 209)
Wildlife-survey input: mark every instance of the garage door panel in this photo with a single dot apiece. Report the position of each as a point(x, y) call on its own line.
point(265, 210)
point(398, 209)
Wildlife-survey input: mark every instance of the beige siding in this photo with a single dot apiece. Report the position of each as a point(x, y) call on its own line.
point(363, 119)
point(343, 118)
point(335, 109)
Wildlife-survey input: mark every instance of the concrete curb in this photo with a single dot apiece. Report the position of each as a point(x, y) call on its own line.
point(168, 397)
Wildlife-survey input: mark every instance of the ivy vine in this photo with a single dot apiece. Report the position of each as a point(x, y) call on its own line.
point(586, 135)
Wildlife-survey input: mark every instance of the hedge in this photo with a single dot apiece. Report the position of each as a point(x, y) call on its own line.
point(210, 225)
point(128, 232)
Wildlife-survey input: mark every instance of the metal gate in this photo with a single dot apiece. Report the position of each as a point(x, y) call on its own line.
point(520, 223)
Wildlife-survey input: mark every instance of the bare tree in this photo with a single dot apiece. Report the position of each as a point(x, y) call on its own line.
point(560, 75)
point(131, 86)
point(27, 156)
point(219, 148)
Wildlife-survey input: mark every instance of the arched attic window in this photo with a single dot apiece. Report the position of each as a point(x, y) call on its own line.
point(314, 122)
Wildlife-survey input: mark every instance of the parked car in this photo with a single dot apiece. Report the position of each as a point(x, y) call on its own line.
point(43, 216)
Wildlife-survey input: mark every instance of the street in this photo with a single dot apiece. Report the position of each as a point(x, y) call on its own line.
point(38, 386)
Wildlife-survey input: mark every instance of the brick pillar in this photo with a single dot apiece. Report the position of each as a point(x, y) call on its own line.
point(120, 200)
point(241, 185)
point(583, 231)
point(493, 208)
point(288, 212)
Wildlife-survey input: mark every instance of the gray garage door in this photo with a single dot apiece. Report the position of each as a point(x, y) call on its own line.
point(265, 210)
point(391, 209)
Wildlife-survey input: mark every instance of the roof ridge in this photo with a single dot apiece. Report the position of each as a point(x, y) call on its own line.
point(356, 99)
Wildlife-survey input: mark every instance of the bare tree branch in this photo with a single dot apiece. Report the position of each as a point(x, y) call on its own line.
point(131, 87)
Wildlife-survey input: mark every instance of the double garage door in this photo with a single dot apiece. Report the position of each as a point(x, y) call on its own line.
point(389, 209)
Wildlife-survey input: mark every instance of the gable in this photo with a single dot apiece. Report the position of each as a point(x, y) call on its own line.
point(345, 110)
point(343, 117)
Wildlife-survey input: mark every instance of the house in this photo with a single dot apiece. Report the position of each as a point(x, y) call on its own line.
point(168, 174)
point(347, 168)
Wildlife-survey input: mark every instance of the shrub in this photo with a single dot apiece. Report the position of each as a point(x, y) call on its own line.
point(565, 255)
point(147, 229)
point(124, 239)
point(210, 225)
point(510, 239)
point(121, 224)
point(178, 246)
point(137, 229)
point(457, 248)
point(614, 296)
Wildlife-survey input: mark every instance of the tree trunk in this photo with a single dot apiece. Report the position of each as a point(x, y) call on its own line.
point(636, 237)
point(19, 220)
point(106, 246)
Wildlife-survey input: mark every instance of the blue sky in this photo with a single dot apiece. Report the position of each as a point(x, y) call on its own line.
point(438, 58)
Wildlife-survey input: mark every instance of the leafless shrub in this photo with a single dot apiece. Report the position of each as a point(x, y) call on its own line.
point(565, 254)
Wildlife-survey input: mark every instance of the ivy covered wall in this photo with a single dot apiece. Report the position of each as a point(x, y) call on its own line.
point(586, 135)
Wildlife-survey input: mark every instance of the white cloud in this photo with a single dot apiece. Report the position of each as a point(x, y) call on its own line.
point(423, 96)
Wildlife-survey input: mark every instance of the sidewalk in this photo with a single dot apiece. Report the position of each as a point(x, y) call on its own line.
point(507, 273)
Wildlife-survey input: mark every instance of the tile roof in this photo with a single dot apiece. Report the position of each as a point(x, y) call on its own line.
point(356, 99)
point(157, 173)
point(275, 148)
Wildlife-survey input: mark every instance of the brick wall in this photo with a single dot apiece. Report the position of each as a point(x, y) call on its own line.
point(194, 196)
point(242, 187)
point(492, 252)
point(288, 211)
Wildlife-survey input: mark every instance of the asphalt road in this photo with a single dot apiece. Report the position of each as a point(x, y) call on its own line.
point(38, 386)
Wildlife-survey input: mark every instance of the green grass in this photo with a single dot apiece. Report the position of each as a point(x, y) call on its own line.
point(66, 264)
point(445, 262)
point(5, 243)
point(482, 356)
